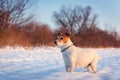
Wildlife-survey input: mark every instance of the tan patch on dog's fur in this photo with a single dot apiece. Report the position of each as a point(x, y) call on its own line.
point(62, 37)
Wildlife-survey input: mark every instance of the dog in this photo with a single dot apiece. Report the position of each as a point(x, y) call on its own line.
point(74, 56)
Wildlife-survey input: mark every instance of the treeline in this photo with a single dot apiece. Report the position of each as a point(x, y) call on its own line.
point(95, 38)
point(36, 34)
point(31, 34)
point(81, 22)
point(19, 30)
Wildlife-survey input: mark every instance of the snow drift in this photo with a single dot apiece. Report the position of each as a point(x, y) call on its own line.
point(46, 63)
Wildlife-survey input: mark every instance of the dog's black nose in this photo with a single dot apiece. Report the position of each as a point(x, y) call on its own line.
point(55, 42)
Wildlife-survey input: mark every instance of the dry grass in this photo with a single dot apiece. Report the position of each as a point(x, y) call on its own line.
point(36, 34)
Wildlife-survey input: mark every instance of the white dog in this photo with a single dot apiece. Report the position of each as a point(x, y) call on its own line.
point(74, 56)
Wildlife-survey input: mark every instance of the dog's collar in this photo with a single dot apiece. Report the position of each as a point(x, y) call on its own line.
point(66, 48)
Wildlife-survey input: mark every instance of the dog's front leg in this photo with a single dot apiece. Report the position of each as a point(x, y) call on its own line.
point(72, 62)
point(72, 66)
point(67, 68)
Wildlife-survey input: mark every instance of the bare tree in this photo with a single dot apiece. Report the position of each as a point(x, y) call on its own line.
point(12, 12)
point(75, 19)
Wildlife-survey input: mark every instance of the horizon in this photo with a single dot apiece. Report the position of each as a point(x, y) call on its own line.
point(108, 11)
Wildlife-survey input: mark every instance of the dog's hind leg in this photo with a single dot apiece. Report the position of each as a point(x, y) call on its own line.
point(93, 68)
point(94, 64)
point(89, 67)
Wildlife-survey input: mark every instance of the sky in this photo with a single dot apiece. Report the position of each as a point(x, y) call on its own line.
point(108, 11)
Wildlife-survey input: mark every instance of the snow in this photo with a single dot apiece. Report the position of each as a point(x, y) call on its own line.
point(46, 63)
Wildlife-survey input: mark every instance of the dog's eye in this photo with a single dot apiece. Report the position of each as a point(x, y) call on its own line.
point(61, 38)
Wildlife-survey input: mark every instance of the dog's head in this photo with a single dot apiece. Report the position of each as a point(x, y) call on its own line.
point(62, 39)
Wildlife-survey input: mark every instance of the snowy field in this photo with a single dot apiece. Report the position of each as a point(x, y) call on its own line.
point(46, 63)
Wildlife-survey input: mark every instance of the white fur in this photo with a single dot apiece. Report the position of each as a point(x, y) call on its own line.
point(77, 57)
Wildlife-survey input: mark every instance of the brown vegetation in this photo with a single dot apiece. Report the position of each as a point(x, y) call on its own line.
point(32, 34)
point(16, 30)
point(94, 38)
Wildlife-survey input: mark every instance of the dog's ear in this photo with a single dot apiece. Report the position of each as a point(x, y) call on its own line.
point(67, 34)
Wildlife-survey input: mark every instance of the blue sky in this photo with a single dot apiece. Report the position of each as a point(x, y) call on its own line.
point(108, 11)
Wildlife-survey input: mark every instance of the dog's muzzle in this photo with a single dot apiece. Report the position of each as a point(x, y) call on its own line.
point(55, 42)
